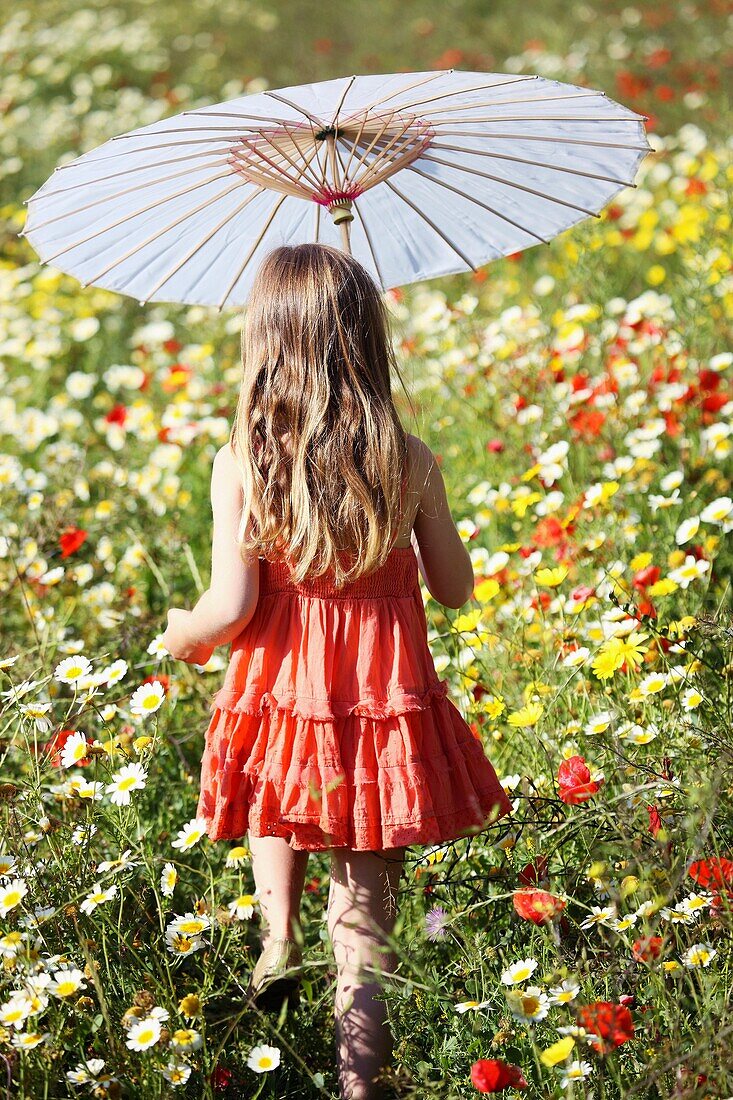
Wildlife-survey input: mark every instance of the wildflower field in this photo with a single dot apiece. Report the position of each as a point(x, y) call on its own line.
point(580, 399)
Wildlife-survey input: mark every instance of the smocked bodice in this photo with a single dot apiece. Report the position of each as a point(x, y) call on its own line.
point(396, 577)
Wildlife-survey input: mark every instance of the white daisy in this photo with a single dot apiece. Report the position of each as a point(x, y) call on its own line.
point(186, 1039)
point(190, 834)
point(12, 895)
point(97, 896)
point(528, 1004)
point(599, 915)
point(129, 778)
point(576, 1071)
point(237, 855)
point(120, 864)
point(191, 924)
point(16, 1011)
point(8, 863)
point(72, 669)
point(74, 750)
point(564, 993)
point(470, 1006)
point(28, 1040)
point(700, 954)
point(85, 1072)
point(143, 1034)
point(66, 982)
point(178, 944)
point(176, 1073)
point(519, 971)
point(168, 880)
point(147, 698)
point(242, 907)
point(263, 1058)
point(113, 673)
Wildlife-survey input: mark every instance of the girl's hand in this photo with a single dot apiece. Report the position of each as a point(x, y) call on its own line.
point(178, 642)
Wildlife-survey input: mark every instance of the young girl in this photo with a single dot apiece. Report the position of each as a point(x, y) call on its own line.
point(332, 731)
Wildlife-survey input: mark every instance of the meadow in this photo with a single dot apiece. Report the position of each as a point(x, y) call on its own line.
point(579, 399)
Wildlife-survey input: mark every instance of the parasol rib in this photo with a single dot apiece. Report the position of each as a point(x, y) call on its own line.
point(128, 217)
point(467, 91)
point(472, 198)
point(118, 195)
point(513, 102)
point(160, 232)
point(536, 163)
point(126, 172)
point(200, 244)
point(249, 255)
point(509, 183)
point(432, 224)
point(364, 226)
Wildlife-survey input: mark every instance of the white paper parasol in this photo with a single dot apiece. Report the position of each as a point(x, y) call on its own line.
point(416, 174)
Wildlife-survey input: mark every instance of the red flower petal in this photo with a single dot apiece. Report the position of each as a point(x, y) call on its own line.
point(493, 1075)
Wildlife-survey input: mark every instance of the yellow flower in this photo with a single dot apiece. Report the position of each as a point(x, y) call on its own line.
point(607, 661)
point(551, 577)
point(486, 590)
point(190, 1005)
point(526, 716)
point(655, 275)
point(558, 1052)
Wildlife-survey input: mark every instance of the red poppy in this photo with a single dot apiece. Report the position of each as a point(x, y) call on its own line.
point(612, 1023)
point(220, 1078)
point(655, 820)
point(716, 871)
point(537, 905)
point(574, 781)
point(714, 874)
point(70, 540)
point(116, 415)
point(493, 1075)
point(647, 949)
point(535, 872)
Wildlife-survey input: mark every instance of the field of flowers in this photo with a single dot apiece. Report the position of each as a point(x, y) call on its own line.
point(580, 399)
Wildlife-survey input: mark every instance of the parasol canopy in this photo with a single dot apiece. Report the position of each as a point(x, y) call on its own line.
point(417, 175)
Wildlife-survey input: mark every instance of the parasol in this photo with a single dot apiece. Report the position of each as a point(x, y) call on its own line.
point(417, 175)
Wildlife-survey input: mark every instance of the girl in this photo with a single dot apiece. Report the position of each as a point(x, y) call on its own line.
point(332, 731)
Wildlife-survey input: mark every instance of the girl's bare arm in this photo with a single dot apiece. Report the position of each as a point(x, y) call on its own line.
point(444, 560)
point(225, 608)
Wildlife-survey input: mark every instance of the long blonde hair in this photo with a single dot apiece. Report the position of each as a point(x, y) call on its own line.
point(316, 357)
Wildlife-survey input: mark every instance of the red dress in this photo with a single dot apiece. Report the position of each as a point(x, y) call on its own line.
point(332, 728)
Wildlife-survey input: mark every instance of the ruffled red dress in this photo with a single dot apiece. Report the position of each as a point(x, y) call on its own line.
point(332, 728)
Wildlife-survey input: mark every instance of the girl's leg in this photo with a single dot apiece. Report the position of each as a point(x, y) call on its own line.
point(361, 908)
point(279, 874)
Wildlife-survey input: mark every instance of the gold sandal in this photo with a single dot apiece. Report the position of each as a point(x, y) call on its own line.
point(274, 978)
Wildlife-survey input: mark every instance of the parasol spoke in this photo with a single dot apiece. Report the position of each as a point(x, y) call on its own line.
point(199, 245)
point(334, 120)
point(135, 214)
point(545, 137)
point(533, 118)
point(160, 232)
point(296, 107)
point(509, 183)
point(367, 234)
point(536, 163)
point(188, 213)
point(405, 88)
point(466, 91)
point(432, 225)
point(127, 171)
point(249, 255)
point(472, 198)
point(118, 194)
point(512, 102)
